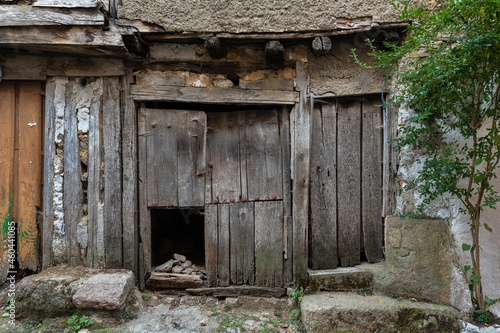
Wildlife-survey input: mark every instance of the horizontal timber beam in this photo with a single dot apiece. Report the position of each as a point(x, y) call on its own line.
point(212, 95)
point(12, 16)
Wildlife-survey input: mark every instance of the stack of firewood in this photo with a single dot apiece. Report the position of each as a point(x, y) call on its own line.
point(179, 273)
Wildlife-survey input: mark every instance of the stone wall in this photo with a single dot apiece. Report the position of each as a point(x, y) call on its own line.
point(254, 16)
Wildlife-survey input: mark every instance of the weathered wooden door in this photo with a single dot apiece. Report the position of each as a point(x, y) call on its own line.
point(346, 183)
point(21, 163)
point(236, 166)
point(245, 237)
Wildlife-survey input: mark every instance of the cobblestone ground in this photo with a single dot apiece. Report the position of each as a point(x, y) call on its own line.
point(181, 314)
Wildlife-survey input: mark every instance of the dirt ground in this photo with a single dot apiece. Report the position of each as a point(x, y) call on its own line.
point(178, 313)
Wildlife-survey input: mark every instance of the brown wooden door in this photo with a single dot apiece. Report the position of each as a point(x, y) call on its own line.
point(346, 183)
point(21, 164)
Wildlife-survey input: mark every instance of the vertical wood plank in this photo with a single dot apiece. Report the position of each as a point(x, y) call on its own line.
point(48, 176)
point(324, 187)
point(144, 213)
point(223, 146)
point(302, 141)
point(242, 242)
point(7, 106)
point(287, 196)
point(30, 140)
point(349, 185)
point(95, 254)
point(391, 158)
point(112, 172)
point(371, 173)
point(130, 195)
point(223, 255)
point(263, 155)
point(243, 153)
point(72, 175)
point(269, 243)
point(211, 243)
point(191, 158)
point(162, 156)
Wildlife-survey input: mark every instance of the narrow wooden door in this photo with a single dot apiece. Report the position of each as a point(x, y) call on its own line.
point(21, 164)
point(346, 183)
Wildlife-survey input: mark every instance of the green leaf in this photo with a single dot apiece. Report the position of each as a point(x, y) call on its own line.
point(490, 112)
point(467, 268)
point(475, 278)
point(478, 178)
point(478, 161)
point(487, 227)
point(465, 247)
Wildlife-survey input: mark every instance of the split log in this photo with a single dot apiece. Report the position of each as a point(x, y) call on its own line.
point(238, 291)
point(321, 46)
point(174, 281)
point(216, 47)
point(275, 52)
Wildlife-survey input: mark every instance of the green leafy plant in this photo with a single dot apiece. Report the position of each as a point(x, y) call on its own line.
point(482, 316)
point(146, 296)
point(77, 323)
point(451, 79)
point(297, 295)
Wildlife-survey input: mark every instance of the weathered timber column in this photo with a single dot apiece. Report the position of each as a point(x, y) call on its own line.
point(302, 141)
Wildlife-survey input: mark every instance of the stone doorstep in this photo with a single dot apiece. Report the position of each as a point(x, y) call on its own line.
point(339, 279)
point(330, 312)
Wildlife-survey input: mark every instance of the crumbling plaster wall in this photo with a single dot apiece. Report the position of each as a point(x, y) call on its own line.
point(447, 209)
point(253, 16)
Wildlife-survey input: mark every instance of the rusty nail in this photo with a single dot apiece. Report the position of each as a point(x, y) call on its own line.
point(216, 201)
point(169, 125)
point(275, 197)
point(153, 124)
point(155, 204)
point(210, 164)
point(231, 200)
point(257, 198)
point(243, 198)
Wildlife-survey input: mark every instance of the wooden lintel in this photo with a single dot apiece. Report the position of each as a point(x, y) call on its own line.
point(238, 291)
point(66, 3)
point(66, 66)
point(212, 95)
point(24, 67)
point(36, 16)
point(70, 40)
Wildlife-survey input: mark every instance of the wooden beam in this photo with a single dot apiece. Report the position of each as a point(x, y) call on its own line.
point(321, 46)
point(302, 142)
point(212, 95)
point(275, 52)
point(216, 47)
point(71, 40)
point(28, 16)
point(174, 281)
point(24, 67)
point(65, 66)
point(66, 3)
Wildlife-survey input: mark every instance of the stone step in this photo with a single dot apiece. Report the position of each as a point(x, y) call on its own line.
point(339, 279)
point(349, 312)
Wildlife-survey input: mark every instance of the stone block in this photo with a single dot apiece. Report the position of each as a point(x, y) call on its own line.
point(107, 291)
point(345, 278)
point(347, 312)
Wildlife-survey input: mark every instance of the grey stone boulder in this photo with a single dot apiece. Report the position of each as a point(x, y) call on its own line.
point(350, 312)
point(107, 291)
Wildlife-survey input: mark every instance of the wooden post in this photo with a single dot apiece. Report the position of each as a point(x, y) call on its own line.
point(216, 47)
point(275, 52)
point(300, 207)
point(321, 46)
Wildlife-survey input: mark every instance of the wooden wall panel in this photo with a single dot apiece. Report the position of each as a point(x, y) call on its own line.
point(7, 121)
point(324, 187)
point(269, 243)
point(211, 243)
point(30, 138)
point(72, 177)
point(223, 258)
point(371, 177)
point(112, 173)
point(287, 196)
point(242, 244)
point(349, 182)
